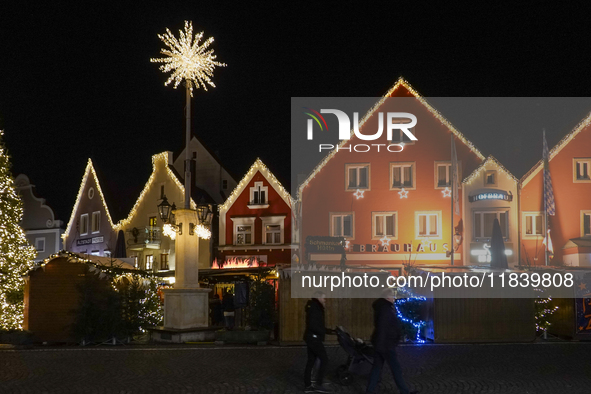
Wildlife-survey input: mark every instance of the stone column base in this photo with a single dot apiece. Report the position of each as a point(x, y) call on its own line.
point(186, 308)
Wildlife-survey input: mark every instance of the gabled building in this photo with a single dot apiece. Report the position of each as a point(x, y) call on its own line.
point(144, 238)
point(208, 172)
point(390, 207)
point(90, 229)
point(41, 227)
point(255, 222)
point(570, 229)
point(491, 192)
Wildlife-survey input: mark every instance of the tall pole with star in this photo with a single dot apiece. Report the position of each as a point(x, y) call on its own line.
point(192, 63)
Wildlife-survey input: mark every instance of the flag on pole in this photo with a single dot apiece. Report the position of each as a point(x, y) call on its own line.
point(549, 205)
point(455, 182)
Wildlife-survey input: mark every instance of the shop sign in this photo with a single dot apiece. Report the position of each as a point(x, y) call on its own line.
point(497, 195)
point(319, 244)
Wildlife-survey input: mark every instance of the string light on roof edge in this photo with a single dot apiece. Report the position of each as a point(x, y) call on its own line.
point(187, 59)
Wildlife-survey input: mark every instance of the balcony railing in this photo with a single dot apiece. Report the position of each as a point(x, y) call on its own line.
point(148, 236)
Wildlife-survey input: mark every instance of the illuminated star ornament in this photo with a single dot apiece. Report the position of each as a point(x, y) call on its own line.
point(347, 244)
point(385, 240)
point(187, 59)
point(403, 193)
point(359, 193)
point(446, 192)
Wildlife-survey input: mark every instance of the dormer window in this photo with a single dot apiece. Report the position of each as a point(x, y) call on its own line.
point(258, 196)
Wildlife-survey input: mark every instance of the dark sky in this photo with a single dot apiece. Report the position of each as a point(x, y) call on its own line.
point(76, 81)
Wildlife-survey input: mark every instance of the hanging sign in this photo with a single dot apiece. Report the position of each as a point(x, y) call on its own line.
point(496, 195)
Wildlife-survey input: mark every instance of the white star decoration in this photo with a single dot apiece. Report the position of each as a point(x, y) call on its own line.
point(446, 192)
point(385, 240)
point(347, 244)
point(359, 193)
point(403, 193)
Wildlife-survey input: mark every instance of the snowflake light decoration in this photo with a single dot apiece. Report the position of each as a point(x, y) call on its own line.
point(188, 60)
point(359, 193)
point(403, 193)
point(446, 192)
point(385, 240)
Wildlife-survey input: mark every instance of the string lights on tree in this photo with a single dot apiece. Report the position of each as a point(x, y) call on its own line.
point(16, 256)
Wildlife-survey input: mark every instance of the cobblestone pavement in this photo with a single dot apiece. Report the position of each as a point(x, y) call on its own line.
point(509, 368)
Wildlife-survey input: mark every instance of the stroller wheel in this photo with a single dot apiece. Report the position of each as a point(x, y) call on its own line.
point(345, 377)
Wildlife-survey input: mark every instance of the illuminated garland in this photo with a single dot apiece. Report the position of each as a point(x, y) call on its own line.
point(557, 148)
point(257, 166)
point(490, 159)
point(401, 82)
point(87, 172)
point(542, 312)
point(156, 158)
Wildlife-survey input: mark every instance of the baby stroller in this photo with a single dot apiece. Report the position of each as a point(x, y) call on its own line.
point(360, 357)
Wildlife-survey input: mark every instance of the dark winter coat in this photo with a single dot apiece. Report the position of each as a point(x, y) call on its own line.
point(387, 326)
point(315, 328)
point(228, 303)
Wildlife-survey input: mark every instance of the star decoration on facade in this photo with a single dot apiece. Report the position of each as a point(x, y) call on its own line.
point(446, 192)
point(582, 286)
point(187, 59)
point(403, 193)
point(359, 193)
point(385, 240)
point(347, 244)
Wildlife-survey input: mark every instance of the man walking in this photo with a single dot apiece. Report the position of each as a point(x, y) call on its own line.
point(314, 336)
point(385, 338)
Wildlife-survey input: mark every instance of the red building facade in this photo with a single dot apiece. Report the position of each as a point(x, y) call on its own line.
point(255, 222)
point(390, 206)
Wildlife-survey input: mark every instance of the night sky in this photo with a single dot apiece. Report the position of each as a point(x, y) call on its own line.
point(76, 81)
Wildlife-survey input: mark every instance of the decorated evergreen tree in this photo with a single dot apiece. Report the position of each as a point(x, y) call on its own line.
point(16, 255)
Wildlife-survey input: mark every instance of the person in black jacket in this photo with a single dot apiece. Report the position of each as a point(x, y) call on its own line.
point(386, 335)
point(314, 336)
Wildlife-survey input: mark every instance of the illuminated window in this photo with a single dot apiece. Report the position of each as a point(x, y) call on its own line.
point(490, 178)
point(164, 261)
point(483, 223)
point(341, 225)
point(428, 225)
point(443, 171)
point(402, 175)
point(96, 222)
point(533, 224)
point(243, 230)
point(384, 224)
point(581, 170)
point(357, 176)
point(84, 224)
point(149, 261)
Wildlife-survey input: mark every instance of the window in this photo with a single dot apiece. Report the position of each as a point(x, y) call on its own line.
point(357, 176)
point(40, 244)
point(585, 223)
point(399, 136)
point(490, 178)
point(483, 223)
point(95, 253)
point(135, 261)
point(273, 234)
point(243, 230)
point(341, 225)
point(243, 235)
point(581, 170)
point(152, 231)
point(149, 261)
point(84, 224)
point(164, 261)
point(384, 224)
point(96, 222)
point(258, 194)
point(534, 224)
point(224, 184)
point(161, 192)
point(402, 175)
point(428, 224)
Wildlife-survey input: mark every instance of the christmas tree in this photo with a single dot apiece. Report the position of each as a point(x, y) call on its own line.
point(16, 255)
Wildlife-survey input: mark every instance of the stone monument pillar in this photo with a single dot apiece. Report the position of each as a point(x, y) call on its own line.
point(186, 306)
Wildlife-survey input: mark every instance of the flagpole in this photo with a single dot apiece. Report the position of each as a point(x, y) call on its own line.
point(545, 207)
point(453, 169)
